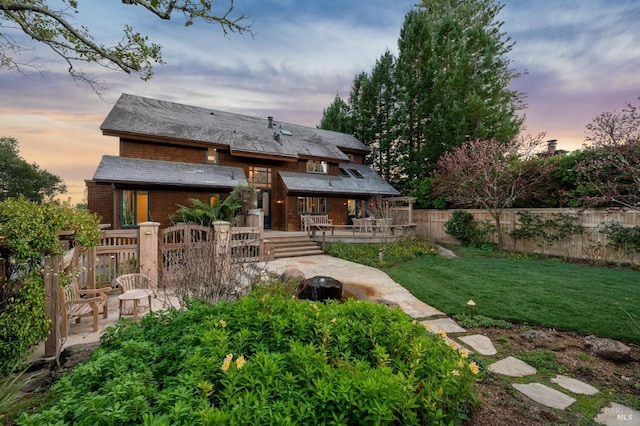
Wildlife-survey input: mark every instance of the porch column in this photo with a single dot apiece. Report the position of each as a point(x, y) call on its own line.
point(148, 255)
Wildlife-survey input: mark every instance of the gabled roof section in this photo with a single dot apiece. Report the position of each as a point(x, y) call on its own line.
point(138, 116)
point(368, 184)
point(134, 171)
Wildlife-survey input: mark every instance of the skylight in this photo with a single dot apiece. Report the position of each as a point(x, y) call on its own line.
point(344, 173)
point(355, 173)
point(286, 132)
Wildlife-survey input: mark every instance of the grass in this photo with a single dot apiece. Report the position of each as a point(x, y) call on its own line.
point(585, 299)
point(515, 288)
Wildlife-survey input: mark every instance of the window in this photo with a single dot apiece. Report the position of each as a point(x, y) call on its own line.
point(212, 156)
point(213, 199)
point(350, 157)
point(260, 177)
point(316, 166)
point(344, 173)
point(134, 208)
point(312, 205)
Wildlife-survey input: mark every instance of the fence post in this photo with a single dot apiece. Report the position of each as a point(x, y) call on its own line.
point(222, 241)
point(148, 254)
point(51, 308)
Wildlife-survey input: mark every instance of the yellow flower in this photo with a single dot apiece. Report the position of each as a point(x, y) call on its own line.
point(461, 363)
point(474, 367)
point(427, 326)
point(455, 372)
point(464, 353)
point(240, 362)
point(227, 362)
point(333, 320)
point(414, 322)
point(222, 323)
point(453, 346)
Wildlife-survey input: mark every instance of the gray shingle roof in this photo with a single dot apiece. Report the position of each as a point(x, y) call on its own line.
point(122, 170)
point(137, 115)
point(369, 184)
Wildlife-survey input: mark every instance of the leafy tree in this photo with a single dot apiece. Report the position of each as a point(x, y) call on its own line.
point(54, 26)
point(612, 166)
point(487, 174)
point(19, 178)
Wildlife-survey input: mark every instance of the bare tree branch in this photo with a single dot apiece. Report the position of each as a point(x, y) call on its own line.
point(74, 43)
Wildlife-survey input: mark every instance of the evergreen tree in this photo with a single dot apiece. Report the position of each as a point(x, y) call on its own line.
point(337, 117)
point(449, 84)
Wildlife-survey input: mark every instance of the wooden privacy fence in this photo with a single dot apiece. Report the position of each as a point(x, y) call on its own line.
point(592, 245)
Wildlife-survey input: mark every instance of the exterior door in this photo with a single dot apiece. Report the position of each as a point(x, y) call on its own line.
point(264, 203)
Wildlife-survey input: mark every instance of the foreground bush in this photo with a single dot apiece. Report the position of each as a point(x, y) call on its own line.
point(267, 359)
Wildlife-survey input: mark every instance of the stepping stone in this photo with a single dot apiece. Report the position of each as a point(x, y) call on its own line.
point(446, 325)
point(618, 414)
point(545, 395)
point(415, 308)
point(512, 367)
point(479, 343)
point(573, 385)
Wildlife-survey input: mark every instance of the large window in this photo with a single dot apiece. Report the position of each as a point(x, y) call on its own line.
point(260, 177)
point(315, 166)
point(312, 205)
point(134, 208)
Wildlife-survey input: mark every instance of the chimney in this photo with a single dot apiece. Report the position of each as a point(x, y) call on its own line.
point(270, 122)
point(551, 146)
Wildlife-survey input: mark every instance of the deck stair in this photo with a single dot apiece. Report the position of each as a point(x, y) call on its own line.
point(292, 244)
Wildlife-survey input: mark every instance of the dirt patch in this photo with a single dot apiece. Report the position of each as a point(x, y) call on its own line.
point(562, 353)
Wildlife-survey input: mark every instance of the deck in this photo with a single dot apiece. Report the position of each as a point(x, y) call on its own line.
point(349, 234)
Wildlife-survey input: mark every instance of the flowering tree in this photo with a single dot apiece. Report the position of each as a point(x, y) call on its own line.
point(489, 174)
point(611, 165)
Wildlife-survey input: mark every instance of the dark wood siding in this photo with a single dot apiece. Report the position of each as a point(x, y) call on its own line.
point(100, 201)
point(163, 152)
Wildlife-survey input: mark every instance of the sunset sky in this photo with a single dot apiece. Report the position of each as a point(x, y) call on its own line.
point(581, 58)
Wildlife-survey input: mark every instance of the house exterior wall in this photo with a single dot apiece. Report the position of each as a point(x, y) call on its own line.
point(164, 202)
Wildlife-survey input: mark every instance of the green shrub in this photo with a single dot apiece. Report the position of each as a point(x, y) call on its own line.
point(392, 253)
point(28, 231)
point(462, 227)
point(267, 359)
point(22, 320)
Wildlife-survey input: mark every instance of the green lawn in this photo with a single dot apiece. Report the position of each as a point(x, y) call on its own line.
point(586, 299)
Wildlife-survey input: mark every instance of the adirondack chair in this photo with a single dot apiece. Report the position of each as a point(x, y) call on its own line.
point(134, 287)
point(79, 303)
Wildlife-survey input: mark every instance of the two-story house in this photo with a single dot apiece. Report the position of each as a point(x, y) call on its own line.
point(171, 152)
